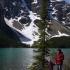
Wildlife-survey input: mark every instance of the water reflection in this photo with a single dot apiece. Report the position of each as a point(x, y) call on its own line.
point(20, 58)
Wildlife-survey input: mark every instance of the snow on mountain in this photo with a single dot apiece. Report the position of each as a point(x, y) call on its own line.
point(14, 3)
point(30, 32)
point(21, 18)
point(60, 34)
point(59, 0)
point(35, 1)
point(56, 0)
point(60, 11)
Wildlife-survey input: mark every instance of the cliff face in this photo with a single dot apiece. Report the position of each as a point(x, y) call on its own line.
point(61, 11)
point(19, 18)
point(34, 5)
point(22, 15)
point(6, 29)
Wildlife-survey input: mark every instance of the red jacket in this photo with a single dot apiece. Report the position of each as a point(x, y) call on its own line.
point(59, 58)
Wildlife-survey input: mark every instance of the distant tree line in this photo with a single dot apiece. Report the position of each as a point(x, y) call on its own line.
point(6, 42)
point(57, 42)
point(60, 42)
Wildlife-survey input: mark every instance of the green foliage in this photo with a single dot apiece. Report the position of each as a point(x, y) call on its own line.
point(60, 42)
point(6, 42)
point(44, 12)
point(53, 55)
point(38, 64)
point(43, 43)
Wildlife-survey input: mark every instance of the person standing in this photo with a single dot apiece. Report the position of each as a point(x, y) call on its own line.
point(50, 65)
point(59, 59)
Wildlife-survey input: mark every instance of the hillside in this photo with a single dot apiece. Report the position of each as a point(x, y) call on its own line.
point(18, 19)
point(6, 42)
point(60, 42)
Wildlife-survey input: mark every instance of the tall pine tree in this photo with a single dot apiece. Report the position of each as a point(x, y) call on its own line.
point(43, 42)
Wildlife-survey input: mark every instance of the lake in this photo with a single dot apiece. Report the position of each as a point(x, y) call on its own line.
point(20, 58)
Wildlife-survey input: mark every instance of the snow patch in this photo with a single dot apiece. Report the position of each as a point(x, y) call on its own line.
point(55, 0)
point(35, 2)
point(31, 33)
point(63, 22)
point(59, 0)
point(14, 3)
point(60, 34)
point(25, 32)
point(6, 9)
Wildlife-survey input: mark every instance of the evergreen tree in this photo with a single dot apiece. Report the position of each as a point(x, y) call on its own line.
point(43, 42)
point(7, 42)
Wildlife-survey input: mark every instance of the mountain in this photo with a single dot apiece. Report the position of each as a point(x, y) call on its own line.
point(6, 42)
point(19, 19)
point(61, 12)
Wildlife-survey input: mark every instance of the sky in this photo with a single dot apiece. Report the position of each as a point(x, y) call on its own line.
point(67, 0)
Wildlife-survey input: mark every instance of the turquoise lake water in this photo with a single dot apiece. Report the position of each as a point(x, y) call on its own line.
point(20, 58)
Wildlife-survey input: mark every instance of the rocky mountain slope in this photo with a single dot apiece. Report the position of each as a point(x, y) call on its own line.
point(61, 11)
point(21, 18)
